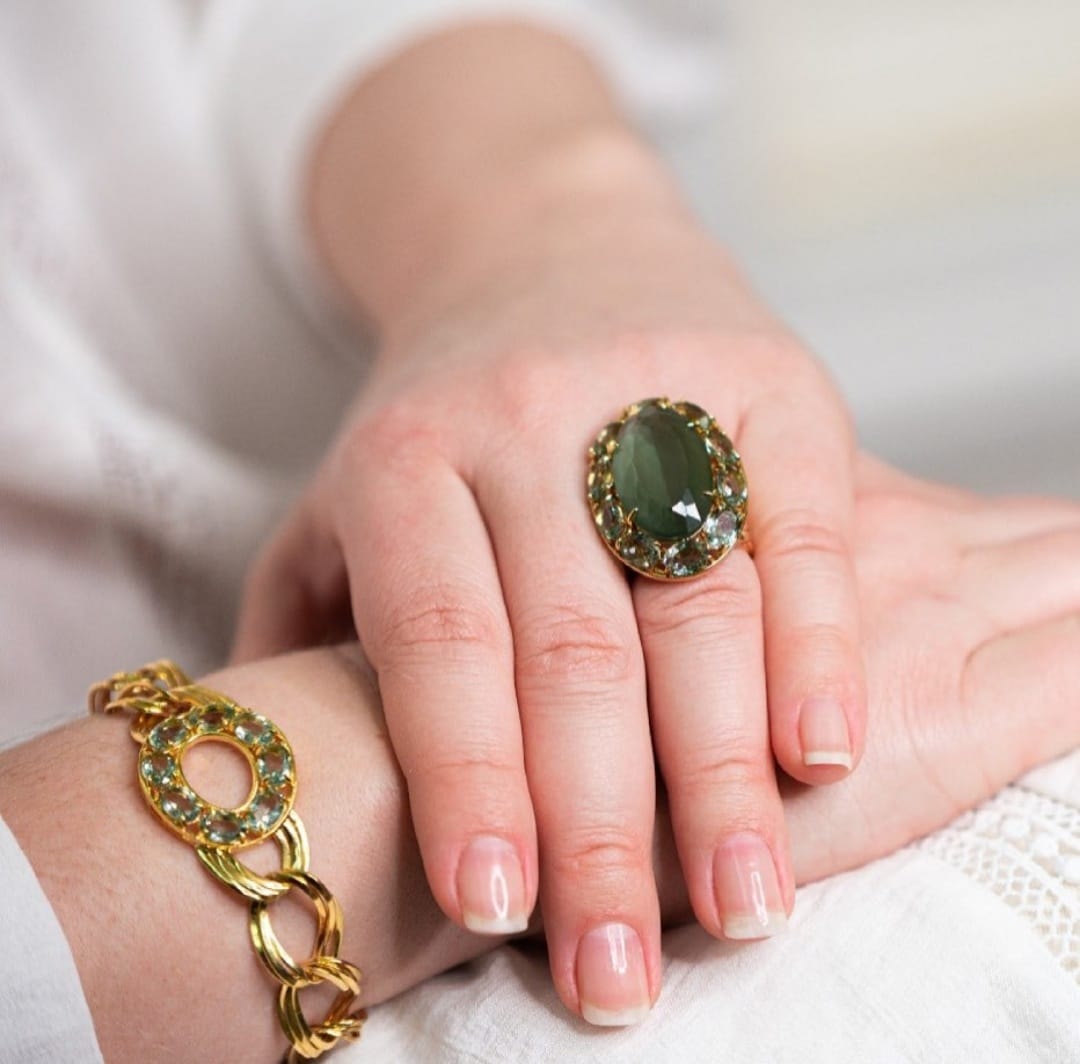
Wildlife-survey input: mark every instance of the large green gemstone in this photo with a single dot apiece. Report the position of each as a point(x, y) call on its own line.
point(662, 471)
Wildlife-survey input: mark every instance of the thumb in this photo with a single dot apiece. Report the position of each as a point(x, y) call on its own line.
point(295, 593)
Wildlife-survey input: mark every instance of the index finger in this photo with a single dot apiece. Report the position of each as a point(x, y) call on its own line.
point(799, 454)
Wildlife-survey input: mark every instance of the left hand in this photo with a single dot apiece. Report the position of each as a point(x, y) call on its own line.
point(510, 648)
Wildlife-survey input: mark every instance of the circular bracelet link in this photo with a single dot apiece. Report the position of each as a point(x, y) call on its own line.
point(312, 1041)
point(295, 857)
point(328, 917)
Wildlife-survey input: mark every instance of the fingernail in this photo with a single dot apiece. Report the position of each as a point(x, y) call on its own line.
point(823, 732)
point(491, 888)
point(612, 983)
point(748, 889)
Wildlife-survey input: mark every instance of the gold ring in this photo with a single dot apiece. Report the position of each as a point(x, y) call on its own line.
point(667, 490)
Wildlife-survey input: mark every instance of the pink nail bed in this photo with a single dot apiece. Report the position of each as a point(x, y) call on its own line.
point(823, 732)
point(491, 888)
point(748, 889)
point(612, 982)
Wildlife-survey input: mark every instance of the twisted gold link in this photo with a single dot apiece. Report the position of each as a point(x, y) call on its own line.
point(162, 690)
point(147, 690)
point(310, 1041)
point(329, 921)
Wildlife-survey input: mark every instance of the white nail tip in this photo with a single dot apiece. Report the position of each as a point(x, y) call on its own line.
point(747, 927)
point(827, 757)
point(494, 925)
point(613, 1018)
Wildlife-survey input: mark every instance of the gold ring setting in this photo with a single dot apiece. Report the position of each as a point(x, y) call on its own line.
point(667, 490)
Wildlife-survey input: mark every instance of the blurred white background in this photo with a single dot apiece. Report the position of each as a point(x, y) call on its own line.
point(902, 181)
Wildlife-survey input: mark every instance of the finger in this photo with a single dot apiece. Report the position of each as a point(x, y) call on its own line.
point(801, 499)
point(430, 617)
point(1004, 520)
point(980, 521)
point(1025, 581)
point(1031, 678)
point(295, 593)
point(581, 689)
point(704, 657)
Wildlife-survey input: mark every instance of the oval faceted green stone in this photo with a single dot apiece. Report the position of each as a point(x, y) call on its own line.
point(662, 471)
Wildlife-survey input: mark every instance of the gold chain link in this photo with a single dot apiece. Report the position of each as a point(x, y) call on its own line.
point(160, 693)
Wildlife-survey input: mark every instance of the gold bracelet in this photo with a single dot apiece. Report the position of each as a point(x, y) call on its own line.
point(171, 715)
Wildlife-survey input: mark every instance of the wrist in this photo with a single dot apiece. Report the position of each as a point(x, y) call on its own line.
point(550, 210)
point(457, 154)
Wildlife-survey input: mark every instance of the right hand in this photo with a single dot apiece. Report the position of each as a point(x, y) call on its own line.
point(970, 610)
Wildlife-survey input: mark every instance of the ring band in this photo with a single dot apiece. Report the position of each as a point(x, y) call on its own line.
point(667, 490)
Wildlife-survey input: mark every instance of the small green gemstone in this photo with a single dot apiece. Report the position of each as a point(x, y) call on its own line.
point(169, 733)
point(638, 550)
point(611, 520)
point(686, 559)
point(265, 811)
point(721, 530)
point(663, 472)
point(274, 765)
point(251, 729)
point(600, 451)
point(157, 768)
point(216, 717)
point(222, 828)
point(600, 483)
point(721, 445)
point(695, 415)
point(733, 487)
point(180, 806)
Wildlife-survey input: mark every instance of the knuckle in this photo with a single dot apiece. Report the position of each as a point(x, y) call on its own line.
point(439, 620)
point(458, 769)
point(600, 856)
point(829, 645)
point(399, 433)
point(528, 385)
point(735, 772)
point(726, 597)
point(802, 534)
point(575, 643)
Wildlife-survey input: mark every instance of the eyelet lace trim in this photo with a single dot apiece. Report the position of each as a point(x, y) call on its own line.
point(1025, 848)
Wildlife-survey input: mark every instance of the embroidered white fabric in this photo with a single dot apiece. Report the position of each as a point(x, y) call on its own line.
point(1024, 847)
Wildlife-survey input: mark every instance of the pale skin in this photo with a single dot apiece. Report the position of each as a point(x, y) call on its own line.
point(531, 268)
point(971, 618)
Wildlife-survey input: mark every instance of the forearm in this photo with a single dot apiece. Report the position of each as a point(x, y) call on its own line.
point(442, 164)
point(139, 910)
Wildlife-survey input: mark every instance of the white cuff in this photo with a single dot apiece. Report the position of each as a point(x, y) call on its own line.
point(44, 1018)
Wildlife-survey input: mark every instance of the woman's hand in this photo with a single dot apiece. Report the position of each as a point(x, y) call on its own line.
point(533, 271)
point(970, 612)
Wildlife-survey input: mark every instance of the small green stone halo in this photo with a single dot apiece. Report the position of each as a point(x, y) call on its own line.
point(666, 489)
point(188, 814)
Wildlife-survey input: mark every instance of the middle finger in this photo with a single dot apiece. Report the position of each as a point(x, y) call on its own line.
point(581, 691)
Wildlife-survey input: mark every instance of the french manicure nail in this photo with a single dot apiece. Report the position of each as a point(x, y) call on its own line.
point(491, 888)
point(748, 889)
point(823, 732)
point(612, 982)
